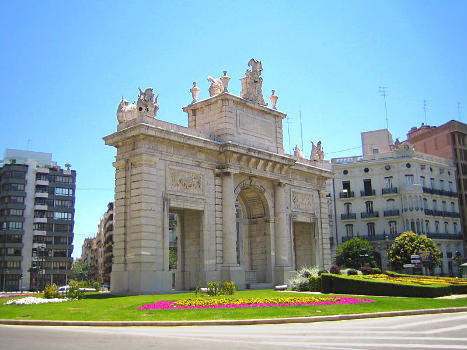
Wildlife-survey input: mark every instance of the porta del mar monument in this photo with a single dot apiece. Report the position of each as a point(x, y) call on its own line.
point(218, 199)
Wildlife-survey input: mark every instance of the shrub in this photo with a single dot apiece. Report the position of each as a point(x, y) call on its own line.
point(351, 272)
point(228, 288)
point(97, 286)
point(51, 291)
point(335, 269)
point(349, 285)
point(376, 271)
point(307, 271)
point(73, 290)
point(299, 283)
point(213, 287)
point(322, 271)
point(314, 284)
point(367, 270)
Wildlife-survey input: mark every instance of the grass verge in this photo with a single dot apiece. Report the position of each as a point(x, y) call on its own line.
point(98, 307)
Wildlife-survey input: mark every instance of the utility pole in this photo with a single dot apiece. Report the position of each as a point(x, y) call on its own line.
point(382, 91)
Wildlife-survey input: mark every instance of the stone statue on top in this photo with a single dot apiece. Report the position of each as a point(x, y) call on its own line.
point(252, 84)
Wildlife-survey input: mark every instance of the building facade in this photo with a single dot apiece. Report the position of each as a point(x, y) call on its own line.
point(217, 199)
point(37, 200)
point(108, 243)
point(447, 141)
point(381, 195)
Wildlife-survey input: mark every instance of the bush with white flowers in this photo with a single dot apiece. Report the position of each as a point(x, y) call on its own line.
point(33, 300)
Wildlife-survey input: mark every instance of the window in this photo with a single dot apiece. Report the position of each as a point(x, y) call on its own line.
point(418, 226)
point(349, 230)
point(388, 182)
point(42, 177)
point(348, 208)
point(64, 179)
point(422, 180)
point(432, 182)
point(437, 226)
point(454, 228)
point(435, 205)
point(441, 184)
point(450, 186)
point(63, 203)
point(58, 215)
point(15, 225)
point(392, 227)
point(62, 228)
point(371, 229)
point(425, 203)
point(443, 203)
point(453, 207)
point(367, 187)
point(446, 227)
point(409, 179)
point(427, 226)
point(390, 204)
point(59, 191)
point(369, 206)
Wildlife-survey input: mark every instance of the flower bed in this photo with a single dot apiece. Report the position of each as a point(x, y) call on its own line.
point(418, 279)
point(18, 295)
point(208, 303)
point(33, 300)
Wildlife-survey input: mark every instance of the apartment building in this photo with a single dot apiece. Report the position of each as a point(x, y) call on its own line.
point(378, 196)
point(447, 141)
point(97, 251)
point(37, 199)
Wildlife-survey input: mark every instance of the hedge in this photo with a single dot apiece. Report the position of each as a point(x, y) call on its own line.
point(344, 284)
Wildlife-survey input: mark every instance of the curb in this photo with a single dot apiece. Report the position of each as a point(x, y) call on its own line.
point(232, 322)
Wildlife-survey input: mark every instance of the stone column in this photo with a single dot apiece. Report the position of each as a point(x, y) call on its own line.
point(282, 241)
point(229, 234)
point(325, 246)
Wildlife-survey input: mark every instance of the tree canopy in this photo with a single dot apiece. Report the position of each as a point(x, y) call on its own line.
point(81, 270)
point(409, 243)
point(355, 253)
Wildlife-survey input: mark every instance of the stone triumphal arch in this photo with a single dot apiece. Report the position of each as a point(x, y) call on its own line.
point(217, 199)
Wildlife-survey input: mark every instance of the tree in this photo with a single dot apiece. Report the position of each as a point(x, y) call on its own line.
point(409, 243)
point(355, 253)
point(81, 270)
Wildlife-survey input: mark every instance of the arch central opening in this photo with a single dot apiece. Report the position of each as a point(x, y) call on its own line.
point(253, 236)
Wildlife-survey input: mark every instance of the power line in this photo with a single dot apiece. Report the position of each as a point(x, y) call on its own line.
point(343, 150)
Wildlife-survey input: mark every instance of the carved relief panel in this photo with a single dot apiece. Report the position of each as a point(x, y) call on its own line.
point(302, 201)
point(185, 181)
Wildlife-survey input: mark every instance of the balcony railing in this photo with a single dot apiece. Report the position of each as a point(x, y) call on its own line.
point(444, 236)
point(391, 190)
point(367, 193)
point(380, 237)
point(393, 212)
point(348, 216)
point(346, 194)
point(366, 215)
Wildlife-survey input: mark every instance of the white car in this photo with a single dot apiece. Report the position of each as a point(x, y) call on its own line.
point(66, 288)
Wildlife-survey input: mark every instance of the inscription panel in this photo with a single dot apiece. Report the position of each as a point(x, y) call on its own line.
point(255, 125)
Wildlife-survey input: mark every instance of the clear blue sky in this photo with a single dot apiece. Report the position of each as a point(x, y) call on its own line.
point(64, 66)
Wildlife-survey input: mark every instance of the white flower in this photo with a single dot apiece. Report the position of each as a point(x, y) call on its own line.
point(33, 300)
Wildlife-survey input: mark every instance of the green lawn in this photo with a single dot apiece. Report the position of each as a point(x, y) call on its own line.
point(95, 307)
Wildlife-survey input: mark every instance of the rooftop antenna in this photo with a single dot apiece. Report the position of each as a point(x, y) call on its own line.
point(301, 128)
point(424, 108)
point(382, 92)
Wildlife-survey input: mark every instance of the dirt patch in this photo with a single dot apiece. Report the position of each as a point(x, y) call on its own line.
point(24, 316)
point(149, 314)
point(74, 308)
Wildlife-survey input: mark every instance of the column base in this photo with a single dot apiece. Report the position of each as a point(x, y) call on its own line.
point(141, 282)
point(235, 274)
point(282, 274)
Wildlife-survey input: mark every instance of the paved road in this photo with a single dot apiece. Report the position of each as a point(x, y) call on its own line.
point(441, 331)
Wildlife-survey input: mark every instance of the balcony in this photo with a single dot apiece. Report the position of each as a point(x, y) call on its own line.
point(392, 212)
point(367, 193)
point(444, 236)
point(346, 194)
point(42, 195)
point(392, 190)
point(40, 207)
point(349, 216)
point(40, 220)
point(42, 182)
point(380, 237)
point(366, 215)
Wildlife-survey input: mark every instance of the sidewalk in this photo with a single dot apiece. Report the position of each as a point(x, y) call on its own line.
point(232, 322)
